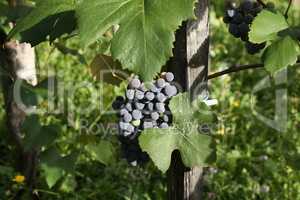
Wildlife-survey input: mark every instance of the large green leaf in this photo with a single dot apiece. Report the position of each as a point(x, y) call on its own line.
point(53, 26)
point(55, 165)
point(37, 136)
point(266, 26)
point(52, 174)
point(280, 54)
point(43, 10)
point(196, 149)
point(143, 42)
point(102, 152)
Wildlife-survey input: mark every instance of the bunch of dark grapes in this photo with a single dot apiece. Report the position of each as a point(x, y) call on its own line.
point(239, 20)
point(141, 108)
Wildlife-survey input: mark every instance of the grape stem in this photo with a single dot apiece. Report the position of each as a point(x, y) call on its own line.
point(237, 68)
point(262, 3)
point(286, 15)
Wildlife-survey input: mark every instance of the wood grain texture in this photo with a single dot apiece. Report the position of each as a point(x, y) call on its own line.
point(190, 66)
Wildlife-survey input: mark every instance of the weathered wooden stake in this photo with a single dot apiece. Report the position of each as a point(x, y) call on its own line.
point(190, 65)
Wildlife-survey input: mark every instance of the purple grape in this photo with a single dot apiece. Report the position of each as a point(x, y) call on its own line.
point(169, 76)
point(164, 125)
point(147, 124)
point(161, 97)
point(139, 94)
point(160, 83)
point(127, 117)
point(139, 106)
point(170, 90)
point(150, 96)
point(137, 114)
point(128, 106)
point(154, 116)
point(150, 106)
point(160, 107)
point(135, 83)
point(130, 94)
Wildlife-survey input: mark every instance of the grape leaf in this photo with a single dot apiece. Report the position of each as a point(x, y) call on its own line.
point(143, 42)
point(53, 26)
point(102, 152)
point(266, 26)
point(280, 54)
point(196, 149)
point(52, 174)
point(43, 10)
point(55, 166)
point(36, 135)
point(105, 69)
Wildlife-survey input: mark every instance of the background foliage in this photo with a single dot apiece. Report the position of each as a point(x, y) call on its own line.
point(254, 161)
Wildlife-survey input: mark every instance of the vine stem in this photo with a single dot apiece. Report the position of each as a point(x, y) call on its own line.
point(262, 3)
point(238, 68)
point(235, 69)
point(288, 9)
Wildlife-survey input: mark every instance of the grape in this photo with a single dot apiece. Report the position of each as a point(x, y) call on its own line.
point(128, 106)
point(244, 28)
point(143, 87)
point(154, 116)
point(169, 76)
point(139, 106)
point(164, 125)
point(246, 6)
point(129, 127)
point(153, 88)
point(160, 83)
point(126, 133)
point(150, 106)
point(166, 118)
point(248, 19)
point(143, 108)
point(161, 97)
point(170, 90)
point(147, 125)
point(130, 94)
point(135, 83)
point(123, 111)
point(150, 96)
point(127, 117)
point(137, 114)
point(160, 107)
point(238, 18)
point(139, 94)
point(231, 13)
point(136, 123)
point(254, 48)
point(234, 30)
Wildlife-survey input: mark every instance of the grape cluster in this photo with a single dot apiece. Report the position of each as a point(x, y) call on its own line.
point(144, 106)
point(239, 20)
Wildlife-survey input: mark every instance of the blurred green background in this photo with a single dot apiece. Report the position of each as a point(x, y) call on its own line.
point(254, 160)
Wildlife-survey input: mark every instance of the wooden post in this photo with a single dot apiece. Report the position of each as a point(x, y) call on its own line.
point(190, 66)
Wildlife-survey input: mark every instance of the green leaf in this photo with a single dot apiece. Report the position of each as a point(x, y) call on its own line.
point(266, 26)
point(102, 152)
point(280, 54)
point(144, 40)
point(52, 158)
point(195, 148)
point(55, 165)
point(53, 26)
point(43, 10)
point(37, 136)
point(52, 174)
point(69, 184)
point(105, 69)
